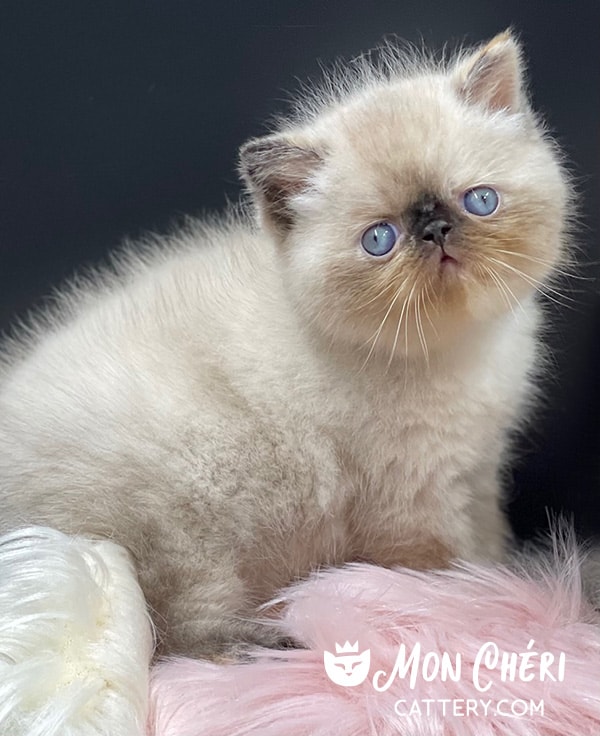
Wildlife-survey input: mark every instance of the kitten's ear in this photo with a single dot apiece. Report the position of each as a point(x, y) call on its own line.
point(493, 75)
point(275, 169)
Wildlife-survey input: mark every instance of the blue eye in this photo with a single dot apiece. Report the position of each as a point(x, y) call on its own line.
point(379, 239)
point(481, 201)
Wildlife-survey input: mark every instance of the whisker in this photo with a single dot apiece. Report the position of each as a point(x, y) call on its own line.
point(376, 335)
point(493, 275)
point(538, 285)
point(420, 330)
point(402, 311)
point(406, 347)
point(377, 296)
point(508, 290)
point(427, 295)
point(543, 262)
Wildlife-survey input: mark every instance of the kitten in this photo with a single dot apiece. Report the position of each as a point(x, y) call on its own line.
point(245, 402)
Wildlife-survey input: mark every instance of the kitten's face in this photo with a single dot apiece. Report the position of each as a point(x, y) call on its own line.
point(419, 207)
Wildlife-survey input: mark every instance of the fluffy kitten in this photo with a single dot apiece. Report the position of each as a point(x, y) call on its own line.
point(247, 402)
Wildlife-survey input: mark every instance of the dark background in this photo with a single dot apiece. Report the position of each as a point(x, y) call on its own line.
point(119, 118)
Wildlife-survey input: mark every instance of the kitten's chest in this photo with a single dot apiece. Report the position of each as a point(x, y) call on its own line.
point(409, 435)
point(410, 466)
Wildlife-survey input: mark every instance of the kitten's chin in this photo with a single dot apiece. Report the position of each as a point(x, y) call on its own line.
point(459, 312)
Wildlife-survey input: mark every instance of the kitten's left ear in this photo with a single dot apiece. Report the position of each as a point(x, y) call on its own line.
point(493, 75)
point(275, 169)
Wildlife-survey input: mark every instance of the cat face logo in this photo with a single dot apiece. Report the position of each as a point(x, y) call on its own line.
point(347, 667)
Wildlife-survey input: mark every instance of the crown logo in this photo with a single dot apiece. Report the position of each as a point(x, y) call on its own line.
point(347, 667)
point(347, 648)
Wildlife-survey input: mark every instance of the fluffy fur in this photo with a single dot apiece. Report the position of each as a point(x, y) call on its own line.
point(454, 611)
point(249, 402)
point(75, 638)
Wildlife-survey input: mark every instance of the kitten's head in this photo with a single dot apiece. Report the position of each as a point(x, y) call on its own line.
point(413, 201)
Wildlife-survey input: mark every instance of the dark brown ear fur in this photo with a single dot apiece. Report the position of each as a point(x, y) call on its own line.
point(275, 169)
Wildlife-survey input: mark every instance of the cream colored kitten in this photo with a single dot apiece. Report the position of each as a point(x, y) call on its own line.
point(247, 402)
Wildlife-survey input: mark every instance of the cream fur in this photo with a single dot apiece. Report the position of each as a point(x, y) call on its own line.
point(75, 638)
point(220, 407)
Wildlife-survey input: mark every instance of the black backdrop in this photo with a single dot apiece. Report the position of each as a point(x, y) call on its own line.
point(117, 118)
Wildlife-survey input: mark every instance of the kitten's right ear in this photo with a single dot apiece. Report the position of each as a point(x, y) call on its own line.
point(275, 169)
point(492, 76)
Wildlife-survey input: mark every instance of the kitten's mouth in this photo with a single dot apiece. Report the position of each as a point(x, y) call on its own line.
point(447, 260)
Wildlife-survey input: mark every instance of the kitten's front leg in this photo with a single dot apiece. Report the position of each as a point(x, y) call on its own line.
point(470, 518)
point(201, 606)
point(491, 534)
point(397, 538)
point(464, 520)
point(399, 547)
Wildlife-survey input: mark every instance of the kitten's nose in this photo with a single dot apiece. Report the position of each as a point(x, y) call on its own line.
point(436, 231)
point(430, 220)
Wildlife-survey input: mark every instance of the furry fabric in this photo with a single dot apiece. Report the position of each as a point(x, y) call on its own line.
point(75, 639)
point(472, 651)
point(537, 617)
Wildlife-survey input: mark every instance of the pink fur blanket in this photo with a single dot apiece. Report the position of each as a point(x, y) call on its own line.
point(472, 651)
